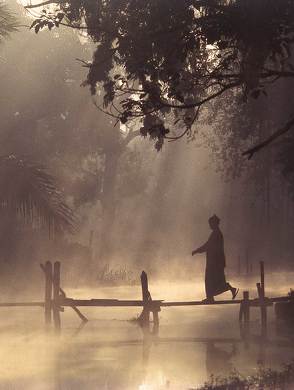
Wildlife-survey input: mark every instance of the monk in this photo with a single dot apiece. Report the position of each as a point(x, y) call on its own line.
point(215, 279)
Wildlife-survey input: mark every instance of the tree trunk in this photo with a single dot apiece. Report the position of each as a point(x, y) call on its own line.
point(108, 201)
point(113, 148)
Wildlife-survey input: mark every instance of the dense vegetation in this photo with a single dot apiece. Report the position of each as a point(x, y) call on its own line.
point(211, 87)
point(266, 379)
point(214, 46)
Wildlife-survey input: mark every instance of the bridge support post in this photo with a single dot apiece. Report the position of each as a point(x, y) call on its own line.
point(56, 289)
point(261, 295)
point(48, 291)
point(145, 315)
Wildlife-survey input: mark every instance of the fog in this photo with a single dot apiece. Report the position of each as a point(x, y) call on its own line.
point(136, 209)
point(159, 201)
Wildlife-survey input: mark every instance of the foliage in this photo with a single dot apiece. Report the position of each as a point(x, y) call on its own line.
point(29, 191)
point(8, 22)
point(247, 124)
point(267, 379)
point(162, 61)
point(116, 276)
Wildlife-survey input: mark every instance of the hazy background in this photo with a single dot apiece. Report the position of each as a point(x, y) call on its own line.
point(137, 208)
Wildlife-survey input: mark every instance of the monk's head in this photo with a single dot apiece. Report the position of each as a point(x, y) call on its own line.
point(214, 222)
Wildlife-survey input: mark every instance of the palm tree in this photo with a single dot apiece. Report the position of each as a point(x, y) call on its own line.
point(26, 189)
point(8, 22)
point(29, 192)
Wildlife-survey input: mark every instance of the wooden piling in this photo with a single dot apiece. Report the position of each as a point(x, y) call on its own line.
point(56, 289)
point(262, 305)
point(145, 316)
point(48, 292)
point(246, 306)
point(61, 294)
point(262, 277)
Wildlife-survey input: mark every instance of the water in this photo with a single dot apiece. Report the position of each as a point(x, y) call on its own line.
point(110, 352)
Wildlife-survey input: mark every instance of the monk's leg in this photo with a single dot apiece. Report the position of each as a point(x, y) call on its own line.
point(208, 287)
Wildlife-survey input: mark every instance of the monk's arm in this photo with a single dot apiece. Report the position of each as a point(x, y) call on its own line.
point(201, 249)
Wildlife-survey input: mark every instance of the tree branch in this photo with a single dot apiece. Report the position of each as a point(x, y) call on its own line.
point(250, 152)
point(38, 5)
point(171, 139)
point(203, 101)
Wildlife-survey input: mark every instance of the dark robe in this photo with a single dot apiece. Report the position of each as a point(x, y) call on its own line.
point(215, 280)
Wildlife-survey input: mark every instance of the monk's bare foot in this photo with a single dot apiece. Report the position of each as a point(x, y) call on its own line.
point(234, 292)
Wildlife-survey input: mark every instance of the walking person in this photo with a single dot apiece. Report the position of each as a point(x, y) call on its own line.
point(215, 279)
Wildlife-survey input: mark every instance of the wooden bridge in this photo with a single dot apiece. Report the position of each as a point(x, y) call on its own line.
point(55, 300)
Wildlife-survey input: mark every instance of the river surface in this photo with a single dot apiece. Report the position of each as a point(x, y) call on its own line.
point(112, 352)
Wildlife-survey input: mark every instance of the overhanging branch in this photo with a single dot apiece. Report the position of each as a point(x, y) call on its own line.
point(250, 152)
point(42, 4)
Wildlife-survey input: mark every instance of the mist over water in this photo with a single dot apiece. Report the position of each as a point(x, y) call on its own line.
point(113, 353)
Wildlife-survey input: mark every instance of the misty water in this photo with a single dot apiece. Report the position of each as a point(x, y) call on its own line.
point(112, 352)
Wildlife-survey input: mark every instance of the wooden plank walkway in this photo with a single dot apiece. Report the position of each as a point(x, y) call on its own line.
point(70, 302)
point(105, 302)
point(56, 299)
point(139, 303)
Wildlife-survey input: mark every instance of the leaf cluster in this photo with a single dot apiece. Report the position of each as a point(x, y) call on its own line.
point(156, 58)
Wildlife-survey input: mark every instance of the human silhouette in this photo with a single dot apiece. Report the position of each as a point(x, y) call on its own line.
point(215, 280)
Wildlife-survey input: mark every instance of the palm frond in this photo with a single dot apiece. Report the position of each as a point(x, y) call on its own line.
point(8, 23)
point(29, 191)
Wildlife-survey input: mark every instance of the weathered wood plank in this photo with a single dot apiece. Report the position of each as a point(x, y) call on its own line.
point(161, 303)
point(69, 302)
point(106, 302)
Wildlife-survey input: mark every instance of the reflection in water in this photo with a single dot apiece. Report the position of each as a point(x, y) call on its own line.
point(110, 353)
point(79, 329)
point(149, 338)
point(218, 360)
point(147, 361)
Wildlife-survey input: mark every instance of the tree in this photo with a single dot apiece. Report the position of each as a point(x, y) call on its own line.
point(27, 190)
point(266, 186)
point(214, 46)
point(105, 162)
point(61, 127)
